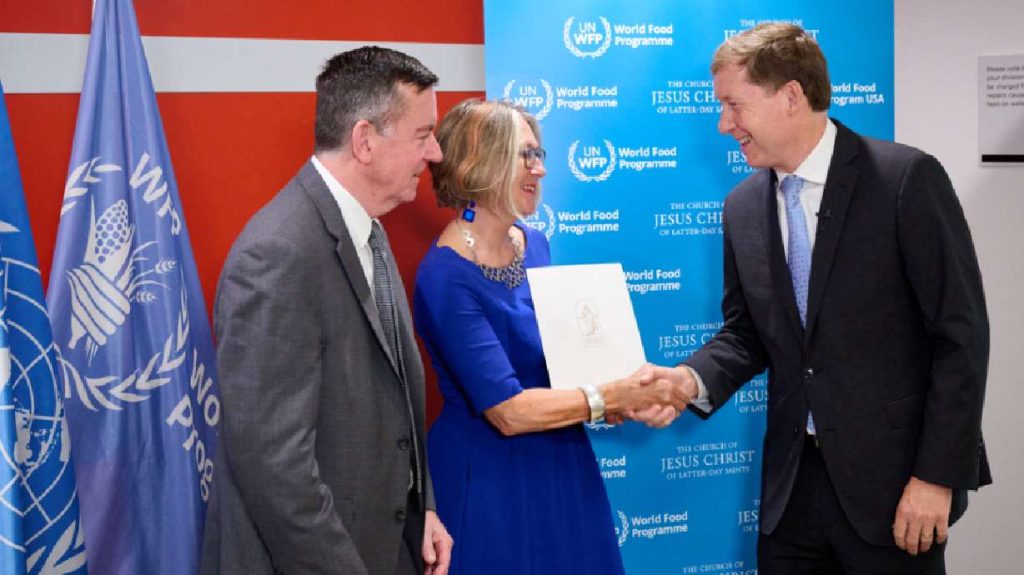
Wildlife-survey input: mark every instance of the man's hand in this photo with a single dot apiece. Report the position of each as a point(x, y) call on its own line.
point(437, 545)
point(680, 378)
point(659, 416)
point(922, 516)
point(652, 395)
point(655, 416)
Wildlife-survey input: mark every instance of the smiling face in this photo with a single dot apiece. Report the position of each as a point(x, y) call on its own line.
point(526, 194)
point(403, 149)
point(762, 121)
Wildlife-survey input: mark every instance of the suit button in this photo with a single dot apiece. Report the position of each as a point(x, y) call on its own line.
point(400, 515)
point(808, 374)
point(404, 443)
point(796, 430)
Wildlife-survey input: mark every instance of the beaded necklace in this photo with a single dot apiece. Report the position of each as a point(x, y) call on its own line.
point(511, 275)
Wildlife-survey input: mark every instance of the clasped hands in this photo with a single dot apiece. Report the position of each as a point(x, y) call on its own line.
point(653, 395)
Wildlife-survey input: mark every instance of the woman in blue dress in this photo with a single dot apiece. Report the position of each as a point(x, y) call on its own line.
point(515, 478)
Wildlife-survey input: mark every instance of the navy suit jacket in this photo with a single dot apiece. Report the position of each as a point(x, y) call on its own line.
point(894, 357)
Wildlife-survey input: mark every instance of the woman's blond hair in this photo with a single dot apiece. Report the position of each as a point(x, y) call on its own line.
point(481, 144)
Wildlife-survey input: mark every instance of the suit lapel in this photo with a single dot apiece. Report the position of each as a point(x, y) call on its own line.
point(781, 281)
point(325, 203)
point(839, 186)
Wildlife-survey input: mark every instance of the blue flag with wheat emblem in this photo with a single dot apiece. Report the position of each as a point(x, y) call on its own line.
point(40, 530)
point(129, 322)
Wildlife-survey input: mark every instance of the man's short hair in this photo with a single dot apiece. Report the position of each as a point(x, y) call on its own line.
point(481, 144)
point(773, 54)
point(362, 84)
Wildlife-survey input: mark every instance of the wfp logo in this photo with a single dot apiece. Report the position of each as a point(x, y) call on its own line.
point(622, 529)
point(530, 98)
point(108, 279)
point(586, 40)
point(544, 224)
point(117, 275)
point(592, 163)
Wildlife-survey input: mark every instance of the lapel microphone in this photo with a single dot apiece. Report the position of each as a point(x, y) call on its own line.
point(824, 217)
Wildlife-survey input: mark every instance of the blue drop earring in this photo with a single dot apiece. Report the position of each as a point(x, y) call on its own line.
point(468, 213)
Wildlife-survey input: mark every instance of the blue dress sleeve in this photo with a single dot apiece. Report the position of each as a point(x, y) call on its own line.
point(459, 336)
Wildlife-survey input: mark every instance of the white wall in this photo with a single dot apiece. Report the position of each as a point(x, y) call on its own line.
point(937, 47)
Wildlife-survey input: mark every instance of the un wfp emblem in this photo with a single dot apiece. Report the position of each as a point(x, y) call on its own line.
point(594, 43)
point(622, 530)
point(38, 454)
point(527, 96)
point(545, 226)
point(107, 282)
point(114, 275)
point(592, 165)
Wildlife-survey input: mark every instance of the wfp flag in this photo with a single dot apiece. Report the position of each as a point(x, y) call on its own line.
point(40, 531)
point(130, 324)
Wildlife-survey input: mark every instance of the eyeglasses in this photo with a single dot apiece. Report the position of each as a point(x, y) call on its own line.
point(531, 155)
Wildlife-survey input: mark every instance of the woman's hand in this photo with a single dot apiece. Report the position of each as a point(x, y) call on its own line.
point(655, 416)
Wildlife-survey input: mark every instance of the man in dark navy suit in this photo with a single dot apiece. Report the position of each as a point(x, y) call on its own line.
point(851, 276)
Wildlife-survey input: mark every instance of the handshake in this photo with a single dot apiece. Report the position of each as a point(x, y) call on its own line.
point(653, 395)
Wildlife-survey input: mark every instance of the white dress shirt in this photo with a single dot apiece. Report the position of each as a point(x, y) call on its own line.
point(358, 222)
point(813, 170)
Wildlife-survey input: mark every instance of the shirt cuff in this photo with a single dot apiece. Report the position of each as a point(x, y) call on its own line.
point(701, 402)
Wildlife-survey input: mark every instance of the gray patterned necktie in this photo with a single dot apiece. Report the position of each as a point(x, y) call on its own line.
point(383, 291)
point(387, 309)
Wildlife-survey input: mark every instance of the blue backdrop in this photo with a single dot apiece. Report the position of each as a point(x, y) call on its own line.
point(637, 174)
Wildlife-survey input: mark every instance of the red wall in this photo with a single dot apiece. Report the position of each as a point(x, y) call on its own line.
point(231, 152)
point(437, 21)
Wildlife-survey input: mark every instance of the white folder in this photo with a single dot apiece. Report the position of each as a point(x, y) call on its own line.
point(587, 325)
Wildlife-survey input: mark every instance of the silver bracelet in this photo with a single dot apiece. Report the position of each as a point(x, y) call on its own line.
point(595, 401)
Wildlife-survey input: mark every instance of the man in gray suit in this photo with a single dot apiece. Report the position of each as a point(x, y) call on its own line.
point(321, 466)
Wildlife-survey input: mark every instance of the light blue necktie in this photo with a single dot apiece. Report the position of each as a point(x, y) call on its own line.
point(799, 256)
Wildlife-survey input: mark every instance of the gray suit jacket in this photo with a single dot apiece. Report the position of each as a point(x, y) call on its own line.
point(320, 425)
